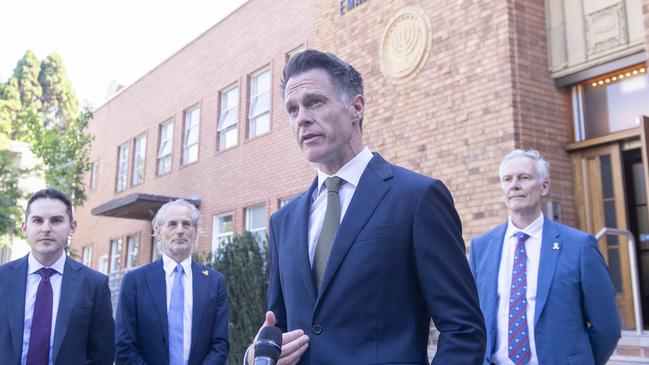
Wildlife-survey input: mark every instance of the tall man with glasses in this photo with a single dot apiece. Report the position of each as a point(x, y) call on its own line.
point(173, 311)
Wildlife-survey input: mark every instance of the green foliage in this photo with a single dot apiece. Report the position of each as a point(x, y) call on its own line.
point(9, 194)
point(38, 106)
point(65, 153)
point(243, 263)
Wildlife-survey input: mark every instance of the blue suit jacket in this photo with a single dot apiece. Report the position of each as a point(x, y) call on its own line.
point(575, 321)
point(398, 260)
point(142, 326)
point(85, 330)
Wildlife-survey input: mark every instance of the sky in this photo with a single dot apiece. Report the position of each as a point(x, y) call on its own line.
point(101, 41)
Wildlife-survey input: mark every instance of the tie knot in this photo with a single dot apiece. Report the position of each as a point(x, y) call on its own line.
point(333, 183)
point(179, 269)
point(521, 237)
point(46, 272)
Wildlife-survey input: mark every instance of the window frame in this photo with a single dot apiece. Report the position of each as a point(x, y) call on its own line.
point(187, 134)
point(142, 164)
point(165, 160)
point(219, 239)
point(255, 231)
point(223, 110)
point(121, 178)
point(255, 95)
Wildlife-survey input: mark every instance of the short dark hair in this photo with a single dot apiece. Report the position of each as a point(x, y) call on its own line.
point(345, 78)
point(50, 193)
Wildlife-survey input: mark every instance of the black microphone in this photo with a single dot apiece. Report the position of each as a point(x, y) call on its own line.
point(268, 346)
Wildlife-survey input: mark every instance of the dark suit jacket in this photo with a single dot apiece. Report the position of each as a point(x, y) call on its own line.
point(85, 329)
point(573, 289)
point(398, 260)
point(142, 326)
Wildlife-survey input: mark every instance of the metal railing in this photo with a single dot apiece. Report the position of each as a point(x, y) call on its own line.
point(633, 265)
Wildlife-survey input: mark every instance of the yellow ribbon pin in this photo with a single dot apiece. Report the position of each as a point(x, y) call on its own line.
point(205, 272)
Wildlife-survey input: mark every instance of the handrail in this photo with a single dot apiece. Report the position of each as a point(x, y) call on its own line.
point(633, 263)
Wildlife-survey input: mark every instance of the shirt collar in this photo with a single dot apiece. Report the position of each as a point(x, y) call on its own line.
point(533, 229)
point(169, 264)
point(34, 265)
point(352, 170)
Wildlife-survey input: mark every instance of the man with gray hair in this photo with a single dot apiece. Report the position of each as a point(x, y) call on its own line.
point(544, 288)
point(173, 311)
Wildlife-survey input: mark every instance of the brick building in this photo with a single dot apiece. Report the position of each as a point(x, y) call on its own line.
point(451, 87)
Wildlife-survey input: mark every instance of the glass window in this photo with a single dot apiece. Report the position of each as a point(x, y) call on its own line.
point(93, 174)
point(294, 52)
point(614, 102)
point(221, 230)
point(164, 152)
point(115, 255)
point(103, 264)
point(122, 166)
point(86, 255)
point(132, 250)
point(229, 117)
point(190, 135)
point(256, 222)
point(139, 152)
point(259, 103)
point(284, 201)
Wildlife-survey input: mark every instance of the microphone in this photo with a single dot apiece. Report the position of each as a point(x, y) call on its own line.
point(268, 346)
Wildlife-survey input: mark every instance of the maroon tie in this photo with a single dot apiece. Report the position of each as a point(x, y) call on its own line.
point(39, 338)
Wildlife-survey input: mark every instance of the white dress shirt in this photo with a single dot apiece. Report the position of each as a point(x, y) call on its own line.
point(33, 279)
point(351, 173)
point(169, 266)
point(533, 250)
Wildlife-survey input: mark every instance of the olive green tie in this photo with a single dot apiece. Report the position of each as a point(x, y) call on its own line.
point(329, 229)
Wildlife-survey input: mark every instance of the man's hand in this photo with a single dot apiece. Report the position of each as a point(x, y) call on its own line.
point(294, 343)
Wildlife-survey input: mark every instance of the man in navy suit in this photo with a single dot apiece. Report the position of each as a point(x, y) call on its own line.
point(173, 311)
point(544, 287)
point(361, 262)
point(53, 310)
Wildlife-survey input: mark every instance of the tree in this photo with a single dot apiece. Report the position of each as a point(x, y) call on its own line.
point(9, 194)
point(38, 106)
point(244, 265)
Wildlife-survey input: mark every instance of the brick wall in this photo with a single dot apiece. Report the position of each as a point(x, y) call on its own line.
point(258, 170)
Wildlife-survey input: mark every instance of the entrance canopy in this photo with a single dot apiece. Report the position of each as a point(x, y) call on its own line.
point(136, 206)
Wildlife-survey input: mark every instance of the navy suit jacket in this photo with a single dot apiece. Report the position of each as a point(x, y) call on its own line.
point(142, 325)
point(576, 321)
point(398, 260)
point(85, 330)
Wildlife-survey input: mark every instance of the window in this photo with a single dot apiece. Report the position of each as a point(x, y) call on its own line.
point(284, 201)
point(164, 152)
point(229, 117)
point(103, 264)
point(292, 53)
point(122, 166)
point(190, 135)
point(256, 222)
point(139, 152)
point(221, 230)
point(86, 255)
point(115, 255)
point(156, 253)
point(611, 103)
point(132, 250)
point(93, 175)
point(259, 103)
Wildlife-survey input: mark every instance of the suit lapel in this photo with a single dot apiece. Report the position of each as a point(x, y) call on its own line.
point(547, 265)
point(489, 279)
point(155, 278)
point(199, 289)
point(70, 289)
point(300, 240)
point(368, 194)
point(15, 299)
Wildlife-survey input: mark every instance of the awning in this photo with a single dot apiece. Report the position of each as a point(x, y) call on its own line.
point(136, 206)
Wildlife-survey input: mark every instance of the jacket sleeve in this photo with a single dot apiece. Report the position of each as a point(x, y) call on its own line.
point(599, 302)
point(446, 280)
point(275, 295)
point(126, 346)
point(101, 335)
point(219, 347)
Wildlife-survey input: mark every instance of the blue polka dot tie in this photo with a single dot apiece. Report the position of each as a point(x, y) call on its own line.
point(519, 340)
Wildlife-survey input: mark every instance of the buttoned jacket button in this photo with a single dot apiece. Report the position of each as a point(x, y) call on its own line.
point(316, 329)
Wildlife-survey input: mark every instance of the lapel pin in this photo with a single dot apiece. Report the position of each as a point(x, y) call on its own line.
point(205, 272)
point(555, 246)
